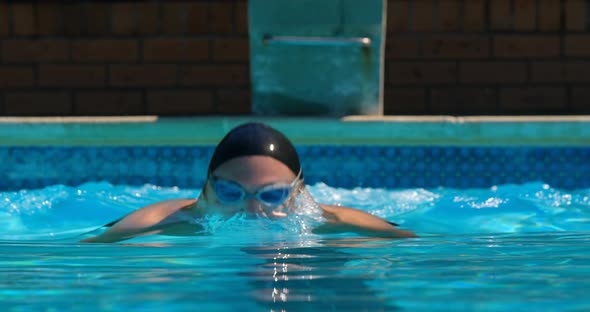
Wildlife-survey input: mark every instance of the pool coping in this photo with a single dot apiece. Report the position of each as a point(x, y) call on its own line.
point(389, 130)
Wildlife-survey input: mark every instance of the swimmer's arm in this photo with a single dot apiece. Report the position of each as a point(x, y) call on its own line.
point(345, 219)
point(152, 219)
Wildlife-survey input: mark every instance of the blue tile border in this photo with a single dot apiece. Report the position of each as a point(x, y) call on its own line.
point(336, 165)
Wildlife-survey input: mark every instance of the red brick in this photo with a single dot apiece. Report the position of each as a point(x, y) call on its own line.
point(398, 16)
point(221, 18)
point(31, 51)
point(38, 103)
point(148, 21)
point(555, 72)
point(492, 72)
point(474, 19)
point(23, 19)
point(198, 17)
point(179, 102)
point(74, 18)
point(105, 50)
point(234, 101)
point(49, 19)
point(423, 15)
point(575, 15)
point(174, 17)
point(577, 45)
point(500, 15)
point(235, 49)
point(175, 50)
point(577, 71)
point(549, 16)
point(526, 46)
point(109, 103)
point(215, 75)
point(98, 17)
point(16, 76)
point(72, 76)
point(456, 47)
point(581, 100)
point(548, 72)
point(143, 75)
point(525, 13)
point(241, 15)
point(124, 18)
point(216, 17)
point(421, 72)
point(461, 101)
point(537, 100)
point(448, 15)
point(401, 48)
point(404, 101)
point(4, 21)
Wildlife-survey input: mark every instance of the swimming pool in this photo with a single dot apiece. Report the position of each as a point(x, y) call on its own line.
point(503, 210)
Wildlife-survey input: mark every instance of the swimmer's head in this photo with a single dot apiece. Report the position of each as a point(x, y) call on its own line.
point(253, 139)
point(254, 169)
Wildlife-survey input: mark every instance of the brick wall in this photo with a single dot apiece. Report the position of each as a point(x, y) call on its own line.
point(124, 57)
point(465, 57)
point(458, 57)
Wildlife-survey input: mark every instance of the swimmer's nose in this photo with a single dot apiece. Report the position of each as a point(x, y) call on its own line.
point(253, 206)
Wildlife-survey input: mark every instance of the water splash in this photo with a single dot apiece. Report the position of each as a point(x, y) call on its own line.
point(61, 211)
point(379, 201)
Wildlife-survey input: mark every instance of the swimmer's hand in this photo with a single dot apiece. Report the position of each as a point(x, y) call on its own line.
point(344, 219)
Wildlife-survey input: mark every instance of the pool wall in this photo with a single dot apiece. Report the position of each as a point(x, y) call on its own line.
point(353, 152)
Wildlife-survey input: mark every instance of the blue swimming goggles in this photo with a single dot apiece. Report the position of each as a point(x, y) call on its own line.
point(229, 192)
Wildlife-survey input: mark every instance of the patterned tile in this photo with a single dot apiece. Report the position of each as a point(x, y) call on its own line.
point(338, 166)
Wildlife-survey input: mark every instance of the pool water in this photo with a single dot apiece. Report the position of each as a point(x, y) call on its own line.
point(505, 247)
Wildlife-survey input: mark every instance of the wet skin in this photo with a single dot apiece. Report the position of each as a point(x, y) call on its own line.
point(172, 217)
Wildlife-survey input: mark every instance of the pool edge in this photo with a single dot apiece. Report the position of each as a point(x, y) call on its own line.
point(389, 130)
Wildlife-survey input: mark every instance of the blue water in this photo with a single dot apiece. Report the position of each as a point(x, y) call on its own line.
point(509, 247)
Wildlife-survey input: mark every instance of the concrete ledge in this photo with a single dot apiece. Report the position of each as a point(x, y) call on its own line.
point(389, 130)
point(469, 119)
point(77, 119)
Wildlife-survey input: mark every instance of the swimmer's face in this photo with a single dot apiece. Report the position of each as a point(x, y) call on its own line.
point(254, 174)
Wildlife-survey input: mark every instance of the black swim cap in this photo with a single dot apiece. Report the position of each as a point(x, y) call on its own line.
point(255, 139)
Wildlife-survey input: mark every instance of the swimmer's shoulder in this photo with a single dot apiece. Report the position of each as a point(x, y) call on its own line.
point(332, 212)
point(173, 205)
point(164, 209)
point(147, 219)
point(346, 219)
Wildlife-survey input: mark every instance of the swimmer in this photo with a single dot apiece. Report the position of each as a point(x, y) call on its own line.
point(254, 170)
